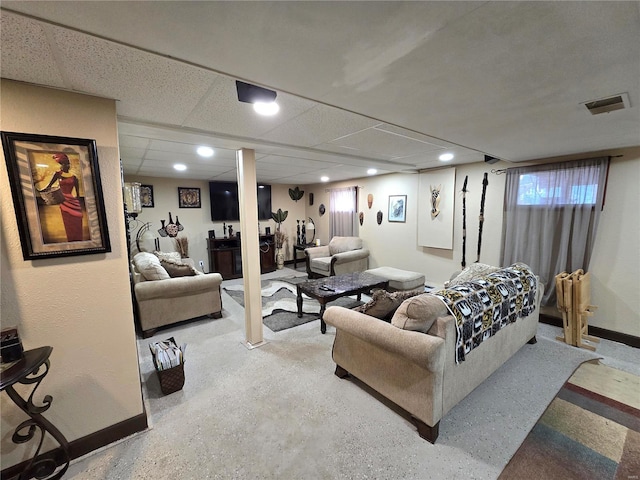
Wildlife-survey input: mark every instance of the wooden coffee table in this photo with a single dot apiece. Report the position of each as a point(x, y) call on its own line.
point(328, 289)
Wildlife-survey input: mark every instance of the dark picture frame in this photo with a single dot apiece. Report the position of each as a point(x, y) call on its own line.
point(57, 195)
point(146, 196)
point(397, 208)
point(189, 197)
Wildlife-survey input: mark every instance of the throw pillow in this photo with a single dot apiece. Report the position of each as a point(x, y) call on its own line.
point(175, 256)
point(178, 269)
point(470, 273)
point(419, 313)
point(149, 266)
point(383, 304)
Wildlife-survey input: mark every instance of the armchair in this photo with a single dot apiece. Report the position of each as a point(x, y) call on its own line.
point(342, 255)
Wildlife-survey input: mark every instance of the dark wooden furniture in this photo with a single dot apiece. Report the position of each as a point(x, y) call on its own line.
point(300, 248)
point(27, 371)
point(328, 289)
point(225, 256)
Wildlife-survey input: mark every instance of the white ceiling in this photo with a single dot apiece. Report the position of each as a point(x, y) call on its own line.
point(388, 85)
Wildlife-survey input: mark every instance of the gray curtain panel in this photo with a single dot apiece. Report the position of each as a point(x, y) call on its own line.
point(342, 212)
point(551, 217)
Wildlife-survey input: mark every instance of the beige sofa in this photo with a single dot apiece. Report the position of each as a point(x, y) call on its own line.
point(415, 370)
point(342, 255)
point(163, 300)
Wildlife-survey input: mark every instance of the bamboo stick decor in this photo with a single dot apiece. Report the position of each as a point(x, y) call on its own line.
point(573, 300)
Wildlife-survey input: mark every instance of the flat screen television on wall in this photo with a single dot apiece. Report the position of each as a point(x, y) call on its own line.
point(225, 204)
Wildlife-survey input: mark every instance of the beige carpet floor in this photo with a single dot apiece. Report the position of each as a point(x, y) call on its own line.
point(279, 412)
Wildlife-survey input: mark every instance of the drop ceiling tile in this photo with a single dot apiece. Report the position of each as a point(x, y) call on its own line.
point(347, 150)
point(24, 44)
point(132, 153)
point(221, 111)
point(374, 140)
point(292, 161)
point(132, 141)
point(414, 135)
point(318, 125)
point(145, 84)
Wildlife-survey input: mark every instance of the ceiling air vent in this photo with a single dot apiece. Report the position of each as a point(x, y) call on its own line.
point(608, 104)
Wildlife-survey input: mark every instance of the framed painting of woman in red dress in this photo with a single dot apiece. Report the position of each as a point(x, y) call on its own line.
point(57, 195)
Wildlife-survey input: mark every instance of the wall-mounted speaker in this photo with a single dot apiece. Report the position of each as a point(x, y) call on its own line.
point(490, 160)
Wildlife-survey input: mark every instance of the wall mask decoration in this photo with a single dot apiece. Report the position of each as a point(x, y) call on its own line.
point(311, 199)
point(361, 217)
point(379, 217)
point(370, 200)
point(435, 200)
point(321, 209)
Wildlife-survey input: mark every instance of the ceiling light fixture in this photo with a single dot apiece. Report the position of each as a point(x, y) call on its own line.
point(445, 157)
point(180, 167)
point(324, 179)
point(372, 171)
point(263, 99)
point(205, 151)
point(266, 109)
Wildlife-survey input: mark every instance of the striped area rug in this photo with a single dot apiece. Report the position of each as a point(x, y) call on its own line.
point(591, 430)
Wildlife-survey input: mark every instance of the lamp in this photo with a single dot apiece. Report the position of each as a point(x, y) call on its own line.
point(311, 229)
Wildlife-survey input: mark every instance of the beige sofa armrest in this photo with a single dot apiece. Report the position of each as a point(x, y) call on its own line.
point(422, 349)
point(350, 256)
point(178, 286)
point(317, 252)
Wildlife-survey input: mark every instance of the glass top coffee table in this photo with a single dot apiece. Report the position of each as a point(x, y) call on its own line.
point(328, 289)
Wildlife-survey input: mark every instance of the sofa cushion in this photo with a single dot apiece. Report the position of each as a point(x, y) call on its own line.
point(383, 304)
point(178, 268)
point(149, 266)
point(322, 264)
point(419, 313)
point(344, 244)
point(471, 272)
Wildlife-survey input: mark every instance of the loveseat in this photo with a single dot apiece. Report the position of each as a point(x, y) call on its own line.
point(342, 255)
point(414, 360)
point(164, 298)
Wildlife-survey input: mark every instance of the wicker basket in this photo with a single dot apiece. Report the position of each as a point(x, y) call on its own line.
point(52, 196)
point(171, 379)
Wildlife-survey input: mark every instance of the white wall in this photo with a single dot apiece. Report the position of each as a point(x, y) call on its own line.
point(81, 306)
point(615, 262)
point(197, 221)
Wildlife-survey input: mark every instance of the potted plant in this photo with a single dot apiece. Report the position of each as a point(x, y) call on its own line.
point(280, 236)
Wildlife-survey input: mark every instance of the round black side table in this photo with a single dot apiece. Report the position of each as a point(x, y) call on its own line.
point(28, 370)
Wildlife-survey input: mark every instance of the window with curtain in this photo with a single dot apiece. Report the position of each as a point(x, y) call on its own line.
point(342, 212)
point(551, 216)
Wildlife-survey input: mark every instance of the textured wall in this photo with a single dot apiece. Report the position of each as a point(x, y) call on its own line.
point(81, 306)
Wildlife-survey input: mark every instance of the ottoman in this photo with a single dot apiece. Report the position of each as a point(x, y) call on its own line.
point(399, 279)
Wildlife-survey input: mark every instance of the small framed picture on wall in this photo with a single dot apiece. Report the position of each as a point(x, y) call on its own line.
point(146, 196)
point(397, 208)
point(189, 197)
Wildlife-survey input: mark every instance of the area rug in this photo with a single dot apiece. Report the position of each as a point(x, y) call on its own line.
point(591, 430)
point(279, 307)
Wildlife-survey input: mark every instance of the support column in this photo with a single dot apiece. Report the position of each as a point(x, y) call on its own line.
point(250, 246)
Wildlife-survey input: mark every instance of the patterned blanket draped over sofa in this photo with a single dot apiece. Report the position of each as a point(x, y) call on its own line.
point(486, 304)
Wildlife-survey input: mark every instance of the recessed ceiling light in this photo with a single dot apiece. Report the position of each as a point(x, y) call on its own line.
point(324, 179)
point(205, 151)
point(445, 157)
point(180, 167)
point(372, 171)
point(266, 109)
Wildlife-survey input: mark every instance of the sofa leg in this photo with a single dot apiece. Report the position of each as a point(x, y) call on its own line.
point(341, 372)
point(215, 315)
point(430, 434)
point(533, 340)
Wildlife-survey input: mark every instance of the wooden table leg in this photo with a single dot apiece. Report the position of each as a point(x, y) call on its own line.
point(323, 326)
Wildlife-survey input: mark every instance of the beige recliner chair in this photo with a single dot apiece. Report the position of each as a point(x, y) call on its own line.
point(342, 255)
